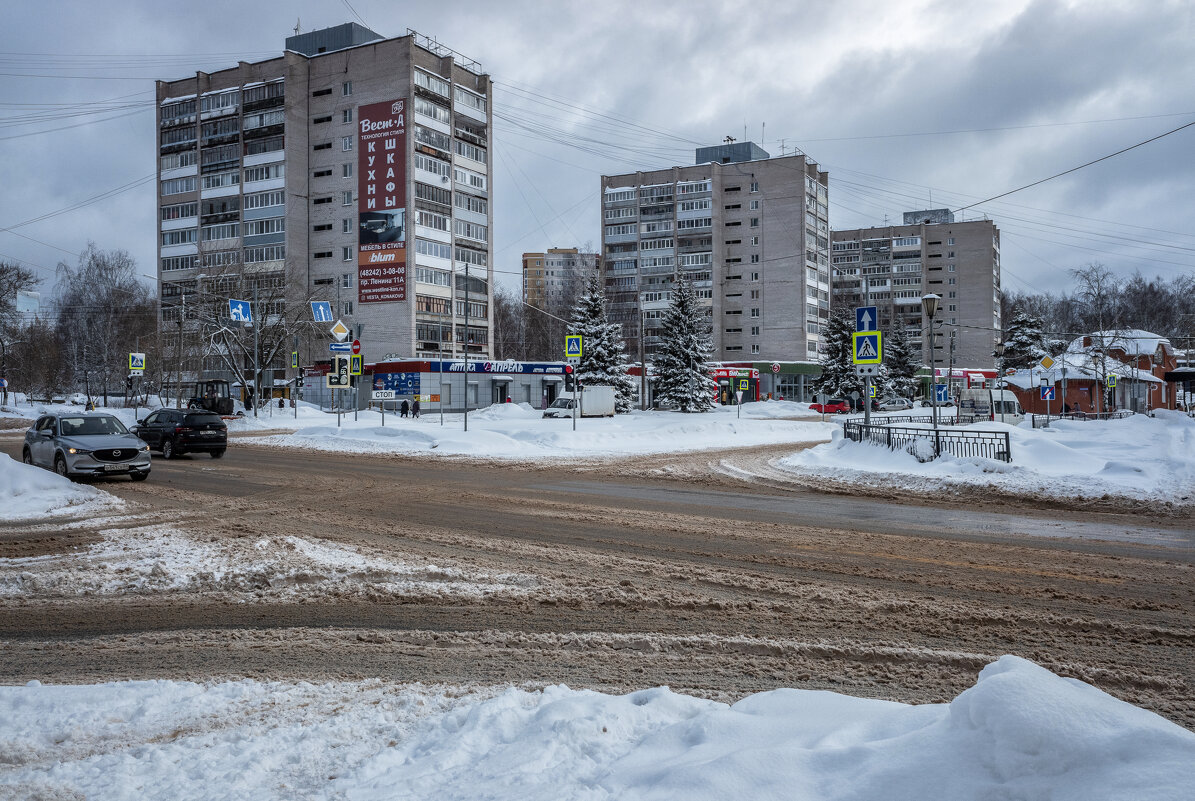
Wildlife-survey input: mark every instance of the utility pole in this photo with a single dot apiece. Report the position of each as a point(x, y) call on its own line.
point(642, 361)
point(466, 342)
point(256, 367)
point(178, 382)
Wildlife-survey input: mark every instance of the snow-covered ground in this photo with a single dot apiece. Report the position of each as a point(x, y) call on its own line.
point(517, 431)
point(1145, 458)
point(31, 492)
point(1020, 732)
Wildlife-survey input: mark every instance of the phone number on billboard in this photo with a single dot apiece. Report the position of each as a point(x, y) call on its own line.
point(375, 272)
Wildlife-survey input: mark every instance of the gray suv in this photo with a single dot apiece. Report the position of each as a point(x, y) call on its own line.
point(76, 444)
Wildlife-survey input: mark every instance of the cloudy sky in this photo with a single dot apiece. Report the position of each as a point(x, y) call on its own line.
point(908, 105)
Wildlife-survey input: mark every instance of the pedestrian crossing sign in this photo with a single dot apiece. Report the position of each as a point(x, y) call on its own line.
point(867, 347)
point(744, 383)
point(572, 346)
point(355, 364)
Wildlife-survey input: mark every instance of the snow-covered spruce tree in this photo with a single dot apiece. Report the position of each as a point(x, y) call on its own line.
point(1024, 342)
point(901, 361)
point(603, 357)
point(681, 376)
point(838, 377)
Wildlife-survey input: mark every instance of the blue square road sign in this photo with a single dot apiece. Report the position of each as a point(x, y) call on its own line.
point(240, 311)
point(866, 318)
point(941, 393)
point(321, 311)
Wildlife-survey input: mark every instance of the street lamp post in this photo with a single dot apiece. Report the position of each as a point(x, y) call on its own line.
point(929, 304)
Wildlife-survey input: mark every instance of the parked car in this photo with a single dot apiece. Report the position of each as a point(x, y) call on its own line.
point(857, 404)
point(178, 431)
point(895, 404)
point(946, 404)
point(831, 406)
point(77, 399)
point(991, 404)
point(75, 444)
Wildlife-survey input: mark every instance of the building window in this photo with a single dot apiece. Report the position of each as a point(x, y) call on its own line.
point(467, 98)
point(322, 254)
point(321, 173)
point(950, 268)
point(346, 198)
point(347, 253)
point(346, 115)
point(754, 276)
point(346, 280)
point(319, 201)
point(326, 227)
point(755, 312)
point(346, 226)
point(754, 222)
point(755, 186)
point(755, 258)
point(755, 348)
point(755, 240)
point(755, 294)
point(952, 307)
point(950, 241)
point(321, 92)
point(322, 146)
point(346, 170)
point(322, 119)
point(754, 205)
point(346, 143)
point(346, 88)
point(348, 307)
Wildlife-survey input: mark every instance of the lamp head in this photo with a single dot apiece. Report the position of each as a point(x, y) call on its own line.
point(929, 303)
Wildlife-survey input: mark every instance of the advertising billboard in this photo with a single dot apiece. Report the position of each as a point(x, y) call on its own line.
point(382, 202)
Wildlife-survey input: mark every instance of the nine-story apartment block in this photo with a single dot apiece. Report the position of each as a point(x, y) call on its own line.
point(891, 267)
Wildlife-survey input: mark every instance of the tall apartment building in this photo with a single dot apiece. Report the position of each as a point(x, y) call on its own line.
point(353, 169)
point(751, 232)
point(891, 267)
point(553, 277)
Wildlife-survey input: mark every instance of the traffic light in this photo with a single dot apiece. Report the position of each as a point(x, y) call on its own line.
point(338, 374)
point(569, 378)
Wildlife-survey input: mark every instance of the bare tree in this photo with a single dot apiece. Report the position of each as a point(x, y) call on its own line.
point(1098, 291)
point(102, 311)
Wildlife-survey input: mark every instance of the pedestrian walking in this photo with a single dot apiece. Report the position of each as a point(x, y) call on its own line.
point(404, 408)
point(415, 408)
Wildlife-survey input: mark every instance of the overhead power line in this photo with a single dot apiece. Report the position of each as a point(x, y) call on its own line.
point(1081, 166)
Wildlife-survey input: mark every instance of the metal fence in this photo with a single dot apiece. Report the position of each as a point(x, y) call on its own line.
point(986, 444)
point(960, 420)
point(1043, 420)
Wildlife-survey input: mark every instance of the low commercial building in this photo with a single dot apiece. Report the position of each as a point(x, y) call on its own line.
point(445, 383)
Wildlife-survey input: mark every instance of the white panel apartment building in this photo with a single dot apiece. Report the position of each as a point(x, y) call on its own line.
point(264, 172)
point(891, 267)
point(751, 232)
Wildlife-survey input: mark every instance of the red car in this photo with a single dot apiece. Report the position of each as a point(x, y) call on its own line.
point(831, 406)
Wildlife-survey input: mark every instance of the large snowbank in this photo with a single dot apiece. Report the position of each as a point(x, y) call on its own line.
point(1021, 732)
point(516, 431)
point(1138, 457)
point(28, 492)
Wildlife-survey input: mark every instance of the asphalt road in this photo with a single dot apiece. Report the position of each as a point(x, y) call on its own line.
point(655, 571)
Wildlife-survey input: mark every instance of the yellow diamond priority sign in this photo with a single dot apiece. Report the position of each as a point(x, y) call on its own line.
point(1046, 362)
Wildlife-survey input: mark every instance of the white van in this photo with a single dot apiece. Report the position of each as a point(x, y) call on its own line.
point(991, 404)
point(596, 401)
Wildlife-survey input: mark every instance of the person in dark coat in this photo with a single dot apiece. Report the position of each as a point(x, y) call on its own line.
point(404, 407)
point(415, 408)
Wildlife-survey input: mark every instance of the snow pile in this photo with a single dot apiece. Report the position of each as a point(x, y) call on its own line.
point(517, 431)
point(162, 560)
point(1138, 457)
point(1020, 732)
point(28, 492)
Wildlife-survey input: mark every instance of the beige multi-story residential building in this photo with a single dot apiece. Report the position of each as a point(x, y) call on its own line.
point(554, 277)
point(892, 266)
point(352, 169)
point(751, 232)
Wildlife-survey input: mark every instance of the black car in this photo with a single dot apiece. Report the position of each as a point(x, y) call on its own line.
point(178, 431)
